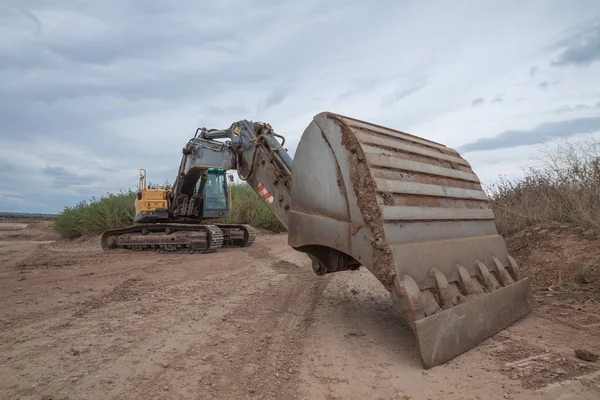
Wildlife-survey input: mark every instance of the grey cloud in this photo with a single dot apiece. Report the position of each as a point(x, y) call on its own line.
point(33, 202)
point(132, 43)
point(6, 168)
point(563, 109)
point(567, 108)
point(220, 111)
point(477, 102)
point(359, 86)
point(277, 96)
point(498, 98)
point(148, 59)
point(549, 130)
point(532, 71)
point(31, 16)
point(546, 84)
point(63, 178)
point(404, 92)
point(116, 38)
point(582, 107)
point(579, 48)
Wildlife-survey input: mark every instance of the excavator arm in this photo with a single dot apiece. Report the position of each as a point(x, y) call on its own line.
point(410, 210)
point(260, 160)
point(263, 162)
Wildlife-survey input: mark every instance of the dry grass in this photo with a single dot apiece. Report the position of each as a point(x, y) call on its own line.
point(564, 189)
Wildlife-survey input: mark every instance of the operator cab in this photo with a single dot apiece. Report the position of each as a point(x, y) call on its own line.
point(216, 193)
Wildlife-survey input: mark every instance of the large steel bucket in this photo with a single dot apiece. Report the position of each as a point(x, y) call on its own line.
point(414, 214)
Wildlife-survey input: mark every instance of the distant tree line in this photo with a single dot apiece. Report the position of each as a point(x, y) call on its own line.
point(15, 215)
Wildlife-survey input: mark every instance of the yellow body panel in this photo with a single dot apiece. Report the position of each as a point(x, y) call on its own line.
point(152, 200)
point(149, 200)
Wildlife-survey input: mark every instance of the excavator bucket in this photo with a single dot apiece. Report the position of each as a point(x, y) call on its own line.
point(414, 214)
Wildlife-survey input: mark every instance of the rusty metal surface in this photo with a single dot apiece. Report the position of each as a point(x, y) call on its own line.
point(413, 213)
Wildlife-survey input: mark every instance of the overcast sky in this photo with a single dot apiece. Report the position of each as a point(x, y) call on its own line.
point(91, 91)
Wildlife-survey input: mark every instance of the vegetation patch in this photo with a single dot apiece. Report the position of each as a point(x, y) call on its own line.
point(565, 188)
point(115, 210)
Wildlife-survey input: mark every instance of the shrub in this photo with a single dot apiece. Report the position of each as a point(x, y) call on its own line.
point(95, 216)
point(564, 189)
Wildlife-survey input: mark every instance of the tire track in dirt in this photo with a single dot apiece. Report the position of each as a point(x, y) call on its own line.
point(120, 352)
point(255, 349)
point(113, 330)
point(361, 348)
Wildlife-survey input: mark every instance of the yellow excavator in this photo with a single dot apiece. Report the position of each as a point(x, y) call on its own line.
point(356, 194)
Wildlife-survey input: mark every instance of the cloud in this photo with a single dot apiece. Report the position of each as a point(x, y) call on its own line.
point(12, 201)
point(31, 16)
point(548, 130)
point(404, 92)
point(578, 107)
point(532, 71)
point(62, 178)
point(276, 97)
point(477, 102)
point(563, 109)
point(358, 86)
point(92, 91)
point(546, 84)
point(579, 48)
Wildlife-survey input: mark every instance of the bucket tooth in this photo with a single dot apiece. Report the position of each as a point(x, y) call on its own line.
point(505, 278)
point(407, 296)
point(413, 213)
point(467, 284)
point(430, 303)
point(513, 268)
point(443, 288)
point(488, 279)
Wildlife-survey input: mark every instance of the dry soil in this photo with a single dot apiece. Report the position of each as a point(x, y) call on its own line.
point(256, 323)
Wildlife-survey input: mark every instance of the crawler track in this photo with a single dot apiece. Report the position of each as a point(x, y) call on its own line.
point(237, 235)
point(181, 238)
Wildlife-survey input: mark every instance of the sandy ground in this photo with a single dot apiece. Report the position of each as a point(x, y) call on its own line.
point(78, 323)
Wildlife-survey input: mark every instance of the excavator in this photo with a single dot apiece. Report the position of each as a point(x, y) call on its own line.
point(178, 219)
point(409, 210)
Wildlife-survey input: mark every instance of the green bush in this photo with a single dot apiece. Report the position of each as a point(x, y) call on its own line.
point(95, 216)
point(117, 210)
point(248, 208)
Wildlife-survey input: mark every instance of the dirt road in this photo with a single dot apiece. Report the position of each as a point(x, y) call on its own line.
point(77, 323)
